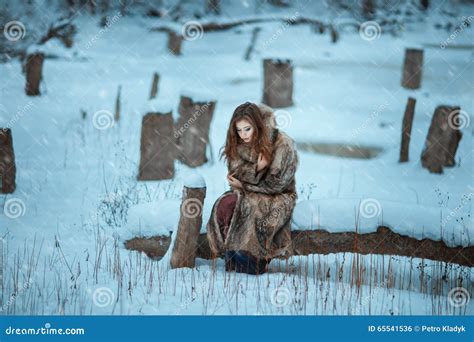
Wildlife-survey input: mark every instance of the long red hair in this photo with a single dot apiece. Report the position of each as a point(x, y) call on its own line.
point(260, 140)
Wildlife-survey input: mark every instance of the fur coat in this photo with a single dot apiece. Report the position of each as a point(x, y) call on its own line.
point(261, 222)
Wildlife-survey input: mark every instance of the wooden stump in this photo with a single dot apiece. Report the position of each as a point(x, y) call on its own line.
point(412, 69)
point(406, 129)
point(253, 40)
point(154, 85)
point(318, 28)
point(117, 104)
point(334, 34)
point(7, 162)
point(213, 6)
point(192, 130)
point(278, 83)
point(157, 148)
point(368, 8)
point(190, 221)
point(34, 70)
point(442, 140)
point(174, 43)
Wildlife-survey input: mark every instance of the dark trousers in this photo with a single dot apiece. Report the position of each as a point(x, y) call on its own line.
point(225, 211)
point(239, 261)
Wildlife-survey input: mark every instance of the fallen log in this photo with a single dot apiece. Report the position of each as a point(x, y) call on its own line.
point(305, 242)
point(221, 26)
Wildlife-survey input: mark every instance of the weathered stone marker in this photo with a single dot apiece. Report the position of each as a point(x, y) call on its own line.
point(442, 140)
point(157, 149)
point(192, 129)
point(117, 104)
point(7, 162)
point(34, 73)
point(174, 43)
point(190, 221)
point(277, 83)
point(154, 85)
point(406, 129)
point(412, 69)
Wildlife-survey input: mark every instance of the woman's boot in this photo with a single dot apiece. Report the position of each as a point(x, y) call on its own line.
point(247, 263)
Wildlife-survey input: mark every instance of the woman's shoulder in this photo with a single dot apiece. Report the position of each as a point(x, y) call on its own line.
point(285, 140)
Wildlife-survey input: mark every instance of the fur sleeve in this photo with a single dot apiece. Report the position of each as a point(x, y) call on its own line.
point(246, 172)
point(280, 173)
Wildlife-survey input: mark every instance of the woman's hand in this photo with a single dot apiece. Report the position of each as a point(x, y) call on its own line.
point(262, 162)
point(234, 182)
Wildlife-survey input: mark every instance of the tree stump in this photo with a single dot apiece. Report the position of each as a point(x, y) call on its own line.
point(154, 85)
point(442, 140)
point(334, 34)
point(412, 69)
point(157, 150)
point(174, 43)
point(253, 40)
point(368, 9)
point(117, 104)
point(278, 83)
point(213, 6)
point(7, 162)
point(192, 130)
point(34, 70)
point(406, 129)
point(190, 221)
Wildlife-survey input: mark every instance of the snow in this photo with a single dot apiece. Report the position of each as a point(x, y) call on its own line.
point(77, 182)
point(194, 180)
point(198, 96)
point(339, 214)
point(156, 218)
point(159, 106)
point(54, 48)
point(34, 49)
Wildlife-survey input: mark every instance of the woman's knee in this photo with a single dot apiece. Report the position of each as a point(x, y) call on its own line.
point(226, 207)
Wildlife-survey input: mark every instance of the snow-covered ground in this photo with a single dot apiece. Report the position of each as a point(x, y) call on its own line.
point(78, 199)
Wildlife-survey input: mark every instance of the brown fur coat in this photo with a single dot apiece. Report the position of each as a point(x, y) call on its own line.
point(261, 221)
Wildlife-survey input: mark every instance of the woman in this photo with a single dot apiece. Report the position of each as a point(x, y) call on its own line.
point(250, 224)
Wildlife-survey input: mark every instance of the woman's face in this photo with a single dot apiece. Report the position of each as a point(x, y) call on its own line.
point(245, 130)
